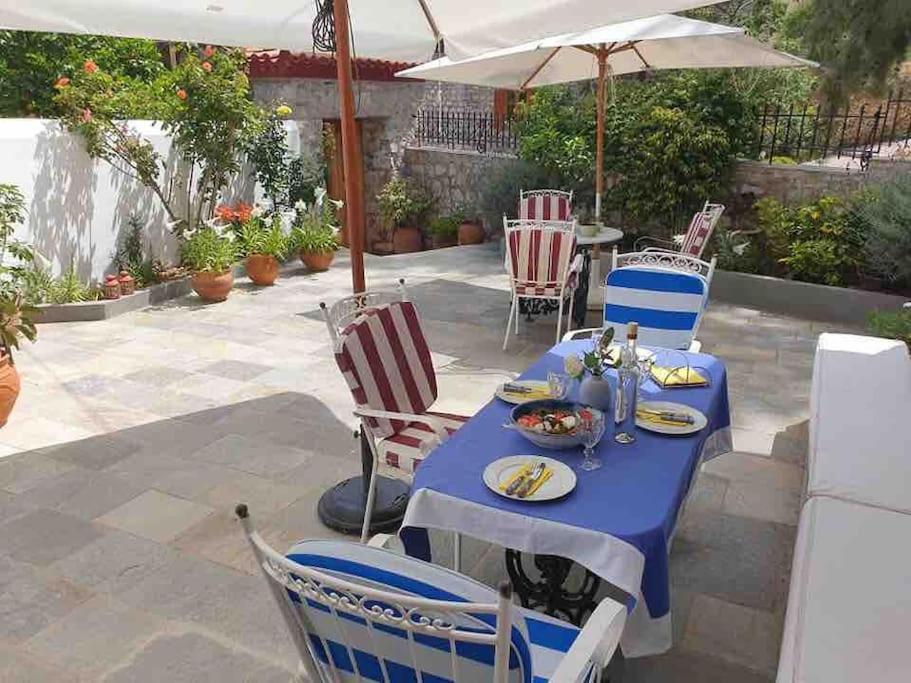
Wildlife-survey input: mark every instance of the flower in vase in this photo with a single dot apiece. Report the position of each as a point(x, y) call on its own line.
point(573, 366)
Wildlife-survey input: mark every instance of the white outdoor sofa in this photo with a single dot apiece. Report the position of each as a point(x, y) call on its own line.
point(849, 606)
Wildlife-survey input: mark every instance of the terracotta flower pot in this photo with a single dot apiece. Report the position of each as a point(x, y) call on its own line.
point(262, 269)
point(407, 240)
point(471, 233)
point(9, 388)
point(443, 241)
point(317, 261)
point(212, 287)
point(382, 247)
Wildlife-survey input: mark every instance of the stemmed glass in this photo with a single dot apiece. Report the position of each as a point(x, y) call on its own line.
point(591, 428)
point(558, 383)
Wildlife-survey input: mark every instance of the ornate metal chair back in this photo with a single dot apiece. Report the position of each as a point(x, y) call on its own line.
point(547, 205)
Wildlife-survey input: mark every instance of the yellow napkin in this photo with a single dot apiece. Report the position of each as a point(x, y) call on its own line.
point(658, 420)
point(548, 473)
point(536, 393)
point(678, 377)
point(524, 471)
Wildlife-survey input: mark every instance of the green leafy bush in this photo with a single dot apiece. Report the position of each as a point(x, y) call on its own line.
point(314, 240)
point(265, 237)
point(884, 214)
point(446, 226)
point(891, 324)
point(17, 320)
point(316, 225)
point(402, 202)
point(207, 250)
point(131, 256)
point(12, 213)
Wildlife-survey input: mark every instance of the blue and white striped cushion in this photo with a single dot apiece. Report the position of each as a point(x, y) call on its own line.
point(538, 641)
point(665, 303)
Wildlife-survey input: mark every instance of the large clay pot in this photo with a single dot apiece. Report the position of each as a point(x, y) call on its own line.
point(382, 248)
point(471, 233)
point(317, 261)
point(443, 241)
point(407, 240)
point(212, 287)
point(262, 269)
point(9, 388)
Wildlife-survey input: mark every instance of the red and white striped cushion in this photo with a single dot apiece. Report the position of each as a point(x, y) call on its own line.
point(403, 450)
point(540, 259)
point(545, 206)
point(386, 362)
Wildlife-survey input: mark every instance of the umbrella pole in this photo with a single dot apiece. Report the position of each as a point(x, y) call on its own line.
point(353, 164)
point(599, 132)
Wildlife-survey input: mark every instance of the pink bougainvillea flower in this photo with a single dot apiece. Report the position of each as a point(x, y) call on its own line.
point(86, 115)
point(62, 82)
point(206, 66)
point(89, 67)
point(209, 51)
point(182, 94)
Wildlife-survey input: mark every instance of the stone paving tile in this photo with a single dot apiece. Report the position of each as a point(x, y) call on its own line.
point(160, 376)
point(19, 473)
point(218, 538)
point(42, 536)
point(18, 666)
point(32, 598)
point(156, 516)
point(773, 504)
point(680, 667)
point(235, 369)
point(194, 657)
point(254, 456)
point(96, 452)
point(82, 493)
point(94, 637)
point(170, 474)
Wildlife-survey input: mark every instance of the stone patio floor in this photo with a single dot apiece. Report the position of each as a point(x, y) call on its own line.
point(134, 438)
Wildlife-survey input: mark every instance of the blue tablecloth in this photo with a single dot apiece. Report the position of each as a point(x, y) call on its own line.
point(619, 519)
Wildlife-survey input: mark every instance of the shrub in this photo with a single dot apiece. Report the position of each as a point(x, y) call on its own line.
point(402, 201)
point(884, 214)
point(891, 324)
point(446, 226)
point(207, 250)
point(500, 190)
point(314, 240)
point(316, 226)
point(265, 237)
point(131, 255)
point(12, 213)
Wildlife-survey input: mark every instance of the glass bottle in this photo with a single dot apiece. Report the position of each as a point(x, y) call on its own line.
point(628, 387)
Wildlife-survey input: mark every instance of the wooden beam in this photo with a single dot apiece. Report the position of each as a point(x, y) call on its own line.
point(539, 67)
point(599, 131)
point(354, 169)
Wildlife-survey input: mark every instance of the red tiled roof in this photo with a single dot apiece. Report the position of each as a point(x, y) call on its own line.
point(284, 64)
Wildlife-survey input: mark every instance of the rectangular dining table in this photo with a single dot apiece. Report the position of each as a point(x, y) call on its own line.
point(617, 522)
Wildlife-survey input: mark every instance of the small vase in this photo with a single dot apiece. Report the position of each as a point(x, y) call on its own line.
point(597, 392)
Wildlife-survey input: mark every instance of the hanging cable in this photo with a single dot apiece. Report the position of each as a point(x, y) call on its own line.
point(324, 26)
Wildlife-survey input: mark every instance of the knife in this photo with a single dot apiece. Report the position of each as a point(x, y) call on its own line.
point(529, 483)
point(517, 482)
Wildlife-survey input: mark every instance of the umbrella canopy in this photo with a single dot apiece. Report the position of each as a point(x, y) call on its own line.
point(660, 42)
point(404, 30)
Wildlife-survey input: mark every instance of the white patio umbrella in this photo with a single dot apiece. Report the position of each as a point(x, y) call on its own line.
point(659, 42)
point(406, 30)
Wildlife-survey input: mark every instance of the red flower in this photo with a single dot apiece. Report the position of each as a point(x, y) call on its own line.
point(86, 115)
point(206, 66)
point(182, 94)
point(244, 212)
point(224, 212)
point(62, 82)
point(89, 67)
point(209, 51)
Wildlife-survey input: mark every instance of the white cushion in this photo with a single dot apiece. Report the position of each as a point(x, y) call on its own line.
point(860, 421)
point(849, 608)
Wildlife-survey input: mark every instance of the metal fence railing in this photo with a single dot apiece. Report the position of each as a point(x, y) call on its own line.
point(809, 132)
point(482, 132)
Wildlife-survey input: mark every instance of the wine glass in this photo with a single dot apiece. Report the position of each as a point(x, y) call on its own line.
point(558, 383)
point(591, 428)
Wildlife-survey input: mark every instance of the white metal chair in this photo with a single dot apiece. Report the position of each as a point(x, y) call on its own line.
point(547, 205)
point(343, 312)
point(358, 613)
point(665, 293)
point(694, 240)
point(384, 357)
point(542, 263)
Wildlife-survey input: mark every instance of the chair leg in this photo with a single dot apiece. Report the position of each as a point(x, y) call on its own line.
point(512, 312)
point(371, 490)
point(572, 311)
point(560, 319)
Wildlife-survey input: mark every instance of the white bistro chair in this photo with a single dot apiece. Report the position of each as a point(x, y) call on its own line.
point(542, 263)
point(343, 312)
point(546, 205)
point(359, 613)
point(665, 293)
point(694, 241)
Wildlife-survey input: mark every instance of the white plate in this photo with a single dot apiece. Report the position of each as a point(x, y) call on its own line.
point(560, 483)
point(613, 353)
point(517, 399)
point(700, 420)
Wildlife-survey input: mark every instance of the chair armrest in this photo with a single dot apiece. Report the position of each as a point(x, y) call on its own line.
point(595, 644)
point(584, 333)
point(429, 420)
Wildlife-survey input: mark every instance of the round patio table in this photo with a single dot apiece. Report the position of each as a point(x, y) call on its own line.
point(588, 296)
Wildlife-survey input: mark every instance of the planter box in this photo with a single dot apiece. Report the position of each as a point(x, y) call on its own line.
point(801, 299)
point(102, 309)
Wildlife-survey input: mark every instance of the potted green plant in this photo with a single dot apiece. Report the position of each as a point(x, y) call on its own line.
point(402, 205)
point(315, 232)
point(471, 228)
point(444, 230)
point(265, 244)
point(209, 253)
point(16, 321)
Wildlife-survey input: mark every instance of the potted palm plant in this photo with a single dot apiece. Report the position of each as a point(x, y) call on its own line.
point(265, 245)
point(402, 205)
point(209, 253)
point(16, 321)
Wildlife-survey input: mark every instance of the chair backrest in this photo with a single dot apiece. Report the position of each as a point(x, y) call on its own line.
point(700, 230)
point(386, 362)
point(361, 613)
point(665, 259)
point(539, 256)
point(547, 205)
point(667, 304)
point(340, 314)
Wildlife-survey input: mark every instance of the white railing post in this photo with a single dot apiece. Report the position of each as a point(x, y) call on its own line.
point(504, 631)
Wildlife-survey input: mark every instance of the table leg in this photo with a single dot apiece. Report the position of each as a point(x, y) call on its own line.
point(595, 297)
point(552, 593)
point(580, 304)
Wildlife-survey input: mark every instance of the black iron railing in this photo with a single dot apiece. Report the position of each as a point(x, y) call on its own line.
point(810, 132)
point(482, 132)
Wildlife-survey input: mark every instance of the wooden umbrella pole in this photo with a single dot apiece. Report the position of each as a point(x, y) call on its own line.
point(353, 164)
point(599, 132)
